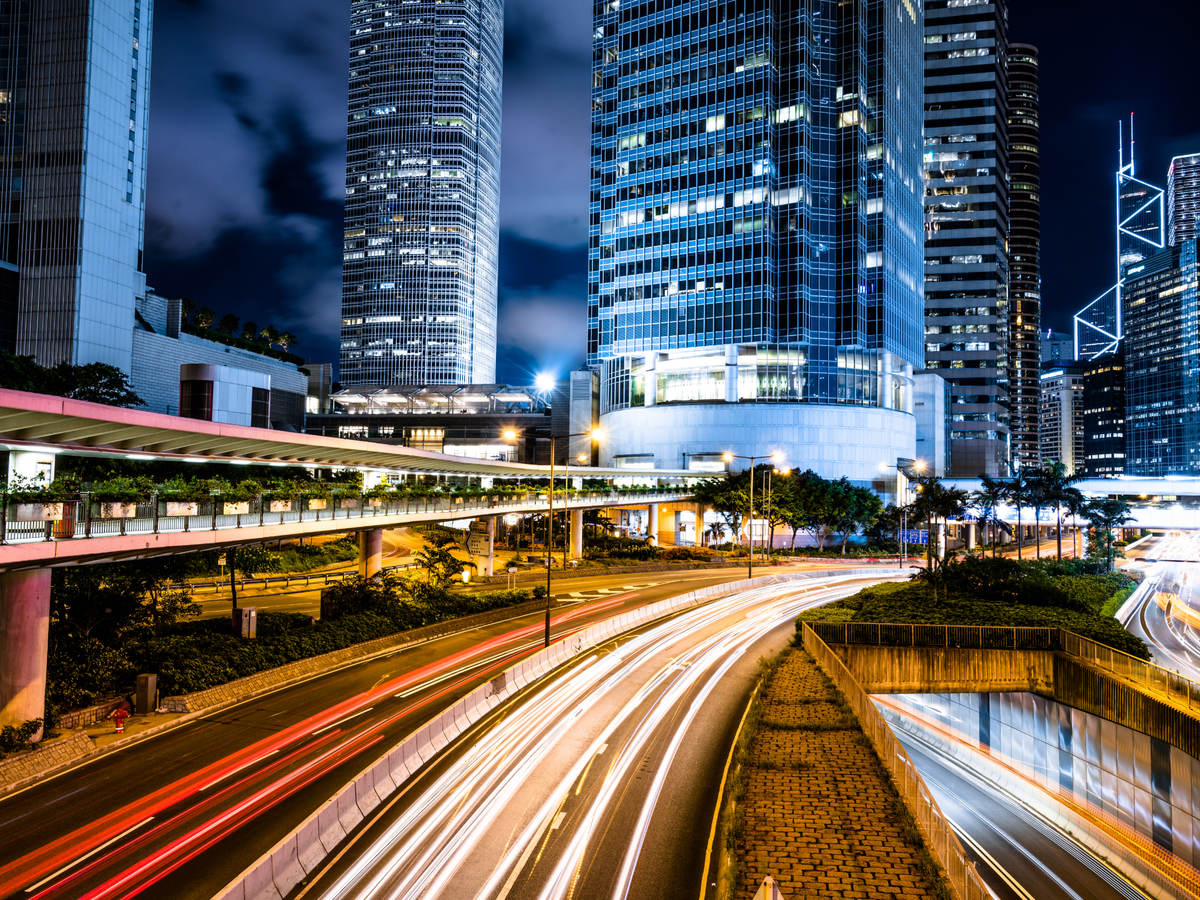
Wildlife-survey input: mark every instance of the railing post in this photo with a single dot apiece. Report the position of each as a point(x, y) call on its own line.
point(154, 502)
point(87, 518)
point(261, 510)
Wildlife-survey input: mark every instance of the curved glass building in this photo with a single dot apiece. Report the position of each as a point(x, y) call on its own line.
point(422, 192)
point(755, 258)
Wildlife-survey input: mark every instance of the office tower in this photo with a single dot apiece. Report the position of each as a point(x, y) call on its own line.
point(75, 93)
point(755, 232)
point(1162, 364)
point(1183, 198)
point(1056, 346)
point(1104, 415)
point(1060, 425)
point(422, 193)
point(1024, 252)
point(1141, 232)
point(966, 221)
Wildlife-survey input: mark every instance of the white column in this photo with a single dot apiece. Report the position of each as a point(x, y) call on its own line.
point(24, 643)
point(370, 553)
point(970, 535)
point(652, 525)
point(577, 534)
point(731, 374)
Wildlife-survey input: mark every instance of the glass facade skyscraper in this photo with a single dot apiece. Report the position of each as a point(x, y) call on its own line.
point(755, 230)
point(1024, 252)
point(422, 192)
point(1183, 198)
point(1162, 363)
point(74, 97)
point(966, 221)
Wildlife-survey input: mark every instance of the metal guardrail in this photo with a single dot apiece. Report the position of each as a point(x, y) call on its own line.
point(84, 518)
point(943, 843)
point(1153, 678)
point(963, 637)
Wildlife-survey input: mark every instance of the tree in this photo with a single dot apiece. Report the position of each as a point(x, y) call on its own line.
point(95, 383)
point(987, 500)
point(250, 331)
point(727, 496)
point(286, 340)
point(269, 334)
point(439, 565)
point(1056, 482)
point(936, 504)
point(852, 508)
point(1106, 515)
point(1076, 503)
point(228, 323)
point(1017, 490)
point(204, 318)
point(187, 307)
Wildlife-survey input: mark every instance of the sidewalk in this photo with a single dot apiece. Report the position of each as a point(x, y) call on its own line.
point(819, 814)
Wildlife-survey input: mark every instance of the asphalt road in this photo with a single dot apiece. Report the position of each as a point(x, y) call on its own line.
point(1019, 856)
point(1172, 568)
point(167, 817)
point(601, 782)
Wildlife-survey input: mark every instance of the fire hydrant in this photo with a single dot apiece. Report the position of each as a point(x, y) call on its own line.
point(119, 716)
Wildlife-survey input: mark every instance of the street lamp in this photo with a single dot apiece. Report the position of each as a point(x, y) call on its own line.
point(903, 466)
point(729, 457)
point(596, 436)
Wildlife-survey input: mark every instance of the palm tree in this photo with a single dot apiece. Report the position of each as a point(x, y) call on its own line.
point(1016, 489)
point(1038, 498)
point(1076, 504)
point(936, 503)
point(1056, 481)
point(988, 499)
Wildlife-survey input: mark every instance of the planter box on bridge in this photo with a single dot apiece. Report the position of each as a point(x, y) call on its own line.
point(375, 502)
point(182, 508)
point(38, 512)
point(240, 508)
point(317, 503)
point(280, 506)
point(348, 503)
point(118, 510)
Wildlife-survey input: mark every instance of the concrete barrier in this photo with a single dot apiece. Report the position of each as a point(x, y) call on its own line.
point(345, 811)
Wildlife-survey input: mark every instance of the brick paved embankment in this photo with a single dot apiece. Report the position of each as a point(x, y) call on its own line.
point(818, 813)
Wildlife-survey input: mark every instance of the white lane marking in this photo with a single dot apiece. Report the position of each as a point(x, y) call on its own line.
point(238, 769)
point(361, 712)
point(71, 865)
point(1003, 873)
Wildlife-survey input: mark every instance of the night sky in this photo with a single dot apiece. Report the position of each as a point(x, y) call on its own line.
point(247, 135)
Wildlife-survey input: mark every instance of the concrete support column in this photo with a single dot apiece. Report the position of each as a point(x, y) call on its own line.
point(489, 561)
point(370, 553)
point(701, 537)
point(970, 536)
point(24, 643)
point(941, 540)
point(576, 534)
point(652, 523)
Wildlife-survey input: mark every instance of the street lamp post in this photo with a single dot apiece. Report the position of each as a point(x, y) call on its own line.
point(595, 435)
point(902, 467)
point(730, 457)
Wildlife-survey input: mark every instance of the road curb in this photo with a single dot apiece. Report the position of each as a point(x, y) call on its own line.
point(284, 866)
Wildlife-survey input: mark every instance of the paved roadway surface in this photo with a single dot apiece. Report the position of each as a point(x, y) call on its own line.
point(1172, 566)
point(601, 782)
point(168, 816)
point(1019, 856)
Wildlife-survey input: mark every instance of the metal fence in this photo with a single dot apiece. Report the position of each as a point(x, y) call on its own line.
point(87, 518)
point(943, 843)
point(964, 637)
point(1152, 678)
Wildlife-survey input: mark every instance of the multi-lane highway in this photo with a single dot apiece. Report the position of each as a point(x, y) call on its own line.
point(170, 815)
point(1167, 615)
point(601, 782)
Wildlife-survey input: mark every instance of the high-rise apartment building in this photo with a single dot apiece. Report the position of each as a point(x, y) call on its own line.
point(422, 192)
point(1024, 252)
point(1104, 415)
point(966, 222)
point(1060, 431)
point(74, 93)
point(1183, 198)
point(1162, 363)
point(755, 231)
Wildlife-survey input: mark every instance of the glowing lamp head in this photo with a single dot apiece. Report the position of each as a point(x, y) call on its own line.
point(509, 434)
point(597, 435)
point(544, 382)
point(776, 457)
point(727, 457)
point(918, 465)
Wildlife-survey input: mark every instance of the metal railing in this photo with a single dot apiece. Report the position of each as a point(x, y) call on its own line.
point(964, 637)
point(1153, 678)
point(87, 518)
point(939, 835)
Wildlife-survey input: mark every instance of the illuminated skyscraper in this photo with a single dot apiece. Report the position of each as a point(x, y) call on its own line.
point(1183, 198)
point(422, 192)
point(1141, 232)
point(74, 94)
point(966, 222)
point(755, 231)
point(1024, 252)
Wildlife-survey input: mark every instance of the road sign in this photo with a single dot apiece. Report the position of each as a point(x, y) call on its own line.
point(477, 544)
point(913, 536)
